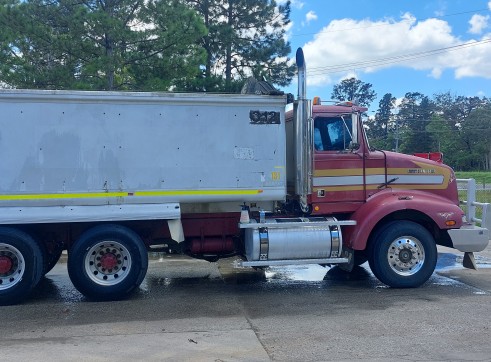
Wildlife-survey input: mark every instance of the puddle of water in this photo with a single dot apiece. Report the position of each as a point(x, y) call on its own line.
point(480, 293)
point(448, 261)
point(309, 273)
point(444, 281)
point(316, 273)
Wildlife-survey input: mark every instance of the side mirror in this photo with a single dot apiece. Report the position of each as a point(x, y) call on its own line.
point(355, 142)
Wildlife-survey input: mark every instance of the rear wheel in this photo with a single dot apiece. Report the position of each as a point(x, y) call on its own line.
point(108, 262)
point(21, 265)
point(403, 254)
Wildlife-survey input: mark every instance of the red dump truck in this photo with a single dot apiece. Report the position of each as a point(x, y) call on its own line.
point(109, 176)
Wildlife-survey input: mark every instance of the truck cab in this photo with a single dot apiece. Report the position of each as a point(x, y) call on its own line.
point(352, 180)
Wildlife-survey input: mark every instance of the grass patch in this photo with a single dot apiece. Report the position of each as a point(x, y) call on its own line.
point(483, 196)
point(480, 177)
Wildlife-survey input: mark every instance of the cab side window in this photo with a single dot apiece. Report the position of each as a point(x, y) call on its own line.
point(332, 134)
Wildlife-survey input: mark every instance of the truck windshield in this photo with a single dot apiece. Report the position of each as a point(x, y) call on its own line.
point(332, 133)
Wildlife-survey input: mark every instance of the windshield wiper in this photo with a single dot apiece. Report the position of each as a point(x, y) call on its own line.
point(385, 184)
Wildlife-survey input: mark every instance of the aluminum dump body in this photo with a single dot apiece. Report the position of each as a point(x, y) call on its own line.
point(61, 148)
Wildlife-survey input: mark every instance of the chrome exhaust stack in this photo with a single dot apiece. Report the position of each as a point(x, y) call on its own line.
point(303, 136)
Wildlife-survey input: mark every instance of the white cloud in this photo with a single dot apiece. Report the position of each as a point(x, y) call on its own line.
point(363, 46)
point(436, 72)
point(310, 16)
point(478, 23)
point(489, 5)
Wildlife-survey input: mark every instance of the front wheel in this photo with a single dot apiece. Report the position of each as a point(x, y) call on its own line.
point(403, 254)
point(107, 262)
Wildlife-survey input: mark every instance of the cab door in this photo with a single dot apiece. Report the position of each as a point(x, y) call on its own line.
point(342, 164)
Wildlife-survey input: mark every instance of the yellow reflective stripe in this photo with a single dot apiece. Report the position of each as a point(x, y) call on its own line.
point(89, 195)
point(197, 192)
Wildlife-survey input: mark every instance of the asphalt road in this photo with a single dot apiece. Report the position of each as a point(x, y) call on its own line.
point(188, 310)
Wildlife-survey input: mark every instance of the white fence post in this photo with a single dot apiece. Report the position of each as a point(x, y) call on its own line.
point(471, 199)
point(471, 204)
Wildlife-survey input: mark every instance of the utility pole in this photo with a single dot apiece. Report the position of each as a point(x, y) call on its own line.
point(397, 135)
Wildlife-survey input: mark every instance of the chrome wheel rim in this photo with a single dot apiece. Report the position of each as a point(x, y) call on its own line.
point(406, 255)
point(108, 263)
point(12, 266)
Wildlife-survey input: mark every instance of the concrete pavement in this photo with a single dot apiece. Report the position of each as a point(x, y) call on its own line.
point(191, 310)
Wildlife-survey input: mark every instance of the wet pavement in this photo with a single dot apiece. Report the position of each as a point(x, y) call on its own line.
point(191, 310)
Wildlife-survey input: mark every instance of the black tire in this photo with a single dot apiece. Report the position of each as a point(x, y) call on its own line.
point(360, 257)
point(21, 265)
point(403, 254)
point(107, 262)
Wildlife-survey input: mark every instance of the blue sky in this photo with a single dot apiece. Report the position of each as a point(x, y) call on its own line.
point(398, 46)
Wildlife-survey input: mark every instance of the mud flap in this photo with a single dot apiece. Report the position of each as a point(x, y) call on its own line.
point(176, 231)
point(350, 255)
point(469, 261)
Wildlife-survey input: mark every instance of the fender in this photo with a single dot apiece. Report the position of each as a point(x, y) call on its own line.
point(388, 201)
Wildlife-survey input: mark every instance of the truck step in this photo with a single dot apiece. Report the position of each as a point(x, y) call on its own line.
point(264, 263)
point(302, 223)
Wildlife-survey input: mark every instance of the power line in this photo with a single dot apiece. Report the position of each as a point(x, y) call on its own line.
point(393, 59)
point(387, 24)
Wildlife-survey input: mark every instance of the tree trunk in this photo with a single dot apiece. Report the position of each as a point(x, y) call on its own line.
point(488, 160)
point(228, 55)
point(110, 63)
point(206, 39)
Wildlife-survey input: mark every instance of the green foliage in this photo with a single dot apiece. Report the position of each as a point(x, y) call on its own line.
point(381, 128)
point(415, 113)
point(199, 45)
point(354, 90)
point(244, 38)
point(456, 138)
point(480, 177)
point(458, 126)
point(476, 135)
point(98, 44)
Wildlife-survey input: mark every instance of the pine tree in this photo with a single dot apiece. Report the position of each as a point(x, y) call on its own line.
point(476, 133)
point(415, 113)
point(245, 38)
point(98, 44)
point(382, 127)
point(353, 89)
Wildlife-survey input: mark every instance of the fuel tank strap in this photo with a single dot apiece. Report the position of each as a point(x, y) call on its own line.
point(265, 263)
point(264, 244)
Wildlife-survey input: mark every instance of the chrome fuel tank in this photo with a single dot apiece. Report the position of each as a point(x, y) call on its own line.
point(298, 238)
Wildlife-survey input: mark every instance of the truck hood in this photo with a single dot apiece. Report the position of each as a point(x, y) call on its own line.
point(412, 172)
